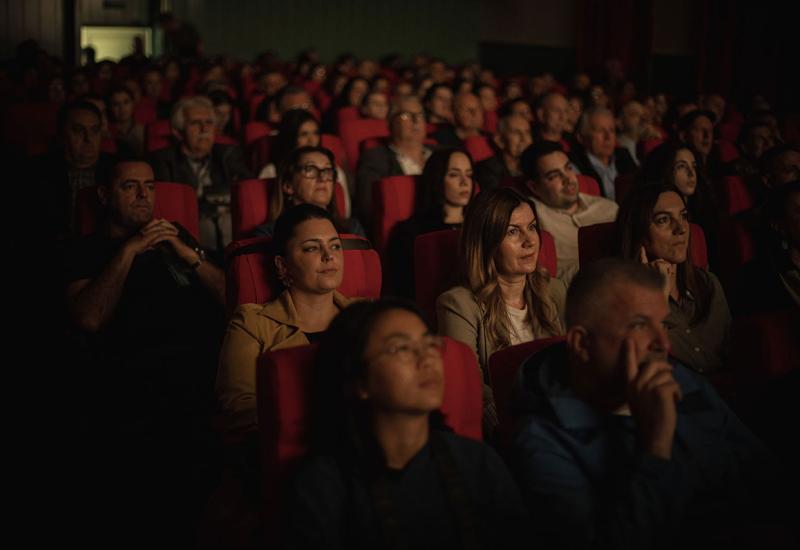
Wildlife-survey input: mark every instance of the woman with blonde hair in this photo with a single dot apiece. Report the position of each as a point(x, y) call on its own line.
point(505, 297)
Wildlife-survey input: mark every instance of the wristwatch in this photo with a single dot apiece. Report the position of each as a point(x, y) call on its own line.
point(201, 257)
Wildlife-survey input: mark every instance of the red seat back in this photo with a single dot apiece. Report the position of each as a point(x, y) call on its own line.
point(437, 259)
point(599, 241)
point(734, 194)
point(392, 202)
point(353, 132)
point(490, 122)
point(176, 202)
point(345, 115)
point(503, 367)
point(254, 131)
point(157, 135)
point(478, 148)
point(766, 344)
point(588, 185)
point(726, 151)
point(645, 147)
point(250, 271)
point(334, 143)
point(284, 386)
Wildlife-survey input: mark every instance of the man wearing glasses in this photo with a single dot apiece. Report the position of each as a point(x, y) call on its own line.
point(405, 154)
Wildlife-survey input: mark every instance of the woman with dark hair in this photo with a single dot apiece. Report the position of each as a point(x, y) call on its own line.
point(678, 164)
point(308, 175)
point(385, 471)
point(298, 128)
point(505, 297)
point(309, 264)
point(351, 95)
point(445, 188)
point(654, 229)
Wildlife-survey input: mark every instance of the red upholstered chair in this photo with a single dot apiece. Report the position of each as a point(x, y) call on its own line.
point(283, 387)
point(392, 202)
point(254, 131)
point(334, 143)
point(478, 148)
point(355, 131)
point(223, 139)
point(503, 367)
point(176, 202)
point(734, 194)
point(490, 122)
point(250, 204)
point(725, 151)
point(157, 135)
point(437, 260)
point(588, 185)
point(599, 241)
point(250, 277)
point(645, 147)
point(765, 345)
point(345, 115)
point(145, 112)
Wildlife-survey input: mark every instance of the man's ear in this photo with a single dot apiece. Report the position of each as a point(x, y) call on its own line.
point(287, 189)
point(578, 342)
point(102, 195)
point(280, 267)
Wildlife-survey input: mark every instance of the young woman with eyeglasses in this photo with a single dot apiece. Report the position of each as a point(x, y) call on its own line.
point(384, 470)
point(308, 176)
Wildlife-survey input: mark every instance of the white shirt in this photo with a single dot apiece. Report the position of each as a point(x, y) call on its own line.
point(410, 166)
point(521, 330)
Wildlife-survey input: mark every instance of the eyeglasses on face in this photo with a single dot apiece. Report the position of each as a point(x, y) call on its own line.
point(310, 171)
point(407, 351)
point(413, 117)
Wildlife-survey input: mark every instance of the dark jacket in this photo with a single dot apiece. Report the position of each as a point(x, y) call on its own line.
point(374, 165)
point(227, 166)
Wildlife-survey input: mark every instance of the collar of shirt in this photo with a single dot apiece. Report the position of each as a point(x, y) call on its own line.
point(410, 166)
point(608, 174)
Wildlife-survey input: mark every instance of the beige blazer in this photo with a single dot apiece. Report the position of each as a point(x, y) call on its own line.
point(253, 330)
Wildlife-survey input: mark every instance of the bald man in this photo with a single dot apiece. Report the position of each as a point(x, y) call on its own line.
point(619, 446)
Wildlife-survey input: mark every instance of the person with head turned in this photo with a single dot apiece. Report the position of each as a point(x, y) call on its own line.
point(654, 229)
point(309, 265)
point(620, 446)
point(467, 121)
point(513, 136)
point(445, 188)
point(505, 297)
point(384, 469)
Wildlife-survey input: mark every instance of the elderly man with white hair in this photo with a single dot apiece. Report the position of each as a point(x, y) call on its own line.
point(209, 167)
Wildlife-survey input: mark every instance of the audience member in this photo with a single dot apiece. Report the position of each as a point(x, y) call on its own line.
point(128, 134)
point(551, 119)
point(467, 118)
point(512, 138)
point(696, 128)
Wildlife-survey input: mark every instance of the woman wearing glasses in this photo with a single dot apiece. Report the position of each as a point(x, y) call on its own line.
point(309, 264)
point(385, 471)
point(308, 176)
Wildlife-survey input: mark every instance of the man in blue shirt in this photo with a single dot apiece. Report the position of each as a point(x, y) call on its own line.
point(621, 448)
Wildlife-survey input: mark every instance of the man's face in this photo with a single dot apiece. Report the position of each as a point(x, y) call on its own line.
point(468, 112)
point(599, 137)
point(408, 124)
point(121, 107)
point(441, 105)
point(515, 137)
point(784, 169)
point(700, 135)
point(759, 139)
point(629, 313)
point(270, 83)
point(198, 133)
point(130, 197)
point(631, 118)
point(297, 100)
point(82, 138)
point(553, 114)
point(488, 99)
point(556, 182)
point(152, 84)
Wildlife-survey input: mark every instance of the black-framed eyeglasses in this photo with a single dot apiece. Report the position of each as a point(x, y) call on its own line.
point(310, 171)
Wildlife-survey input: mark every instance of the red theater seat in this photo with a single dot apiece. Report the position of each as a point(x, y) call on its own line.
point(725, 151)
point(283, 382)
point(392, 202)
point(599, 241)
point(157, 135)
point(734, 194)
point(503, 367)
point(345, 115)
point(355, 131)
point(766, 344)
point(478, 148)
point(588, 185)
point(334, 143)
point(250, 204)
point(437, 260)
point(250, 274)
point(176, 202)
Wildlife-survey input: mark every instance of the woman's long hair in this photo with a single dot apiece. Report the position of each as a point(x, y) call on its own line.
point(485, 225)
point(430, 190)
point(286, 140)
point(633, 223)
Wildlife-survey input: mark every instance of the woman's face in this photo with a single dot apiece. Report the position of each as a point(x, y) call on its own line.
point(668, 234)
point(314, 260)
point(405, 373)
point(458, 180)
point(312, 182)
point(519, 250)
point(308, 134)
point(357, 92)
point(684, 172)
point(377, 106)
point(121, 107)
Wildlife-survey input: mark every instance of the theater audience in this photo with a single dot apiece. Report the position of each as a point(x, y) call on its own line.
point(445, 188)
point(633, 127)
point(405, 154)
point(467, 121)
point(696, 128)
point(438, 102)
point(210, 168)
point(512, 138)
point(505, 297)
point(375, 105)
point(308, 176)
point(551, 119)
point(561, 207)
point(598, 155)
point(654, 230)
point(385, 470)
point(309, 265)
point(620, 447)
